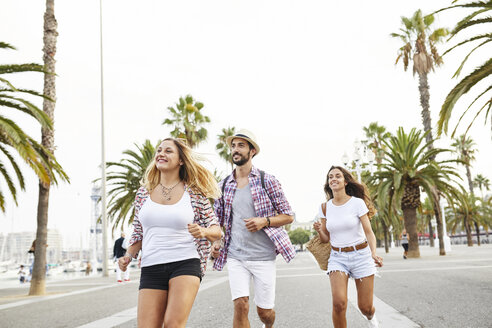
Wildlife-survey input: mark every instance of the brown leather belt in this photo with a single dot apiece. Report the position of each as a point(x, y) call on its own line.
point(350, 248)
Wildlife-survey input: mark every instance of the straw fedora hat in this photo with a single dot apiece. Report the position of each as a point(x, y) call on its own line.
point(246, 135)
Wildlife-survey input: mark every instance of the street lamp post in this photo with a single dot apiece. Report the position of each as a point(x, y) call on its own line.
point(103, 160)
point(360, 156)
point(447, 240)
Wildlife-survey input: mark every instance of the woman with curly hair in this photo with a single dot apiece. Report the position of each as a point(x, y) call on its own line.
point(345, 223)
point(174, 224)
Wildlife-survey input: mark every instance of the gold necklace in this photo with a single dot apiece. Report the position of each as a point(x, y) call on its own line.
point(166, 191)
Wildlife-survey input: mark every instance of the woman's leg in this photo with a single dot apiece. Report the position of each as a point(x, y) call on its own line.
point(339, 283)
point(182, 293)
point(151, 307)
point(365, 294)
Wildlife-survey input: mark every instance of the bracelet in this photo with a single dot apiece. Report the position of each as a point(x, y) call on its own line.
point(268, 221)
point(129, 255)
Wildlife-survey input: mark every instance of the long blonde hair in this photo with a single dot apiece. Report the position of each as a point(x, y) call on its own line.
point(198, 178)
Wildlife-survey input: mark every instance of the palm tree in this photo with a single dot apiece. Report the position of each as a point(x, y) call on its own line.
point(465, 147)
point(481, 182)
point(38, 286)
point(475, 19)
point(407, 167)
point(223, 148)
point(124, 182)
point(418, 37)
point(427, 210)
point(375, 135)
point(465, 209)
point(13, 137)
point(186, 121)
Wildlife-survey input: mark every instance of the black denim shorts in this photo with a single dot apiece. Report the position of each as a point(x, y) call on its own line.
point(158, 276)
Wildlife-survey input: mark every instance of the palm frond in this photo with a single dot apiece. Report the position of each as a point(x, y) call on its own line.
point(459, 90)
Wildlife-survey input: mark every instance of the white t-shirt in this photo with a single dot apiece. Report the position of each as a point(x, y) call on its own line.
point(343, 222)
point(165, 232)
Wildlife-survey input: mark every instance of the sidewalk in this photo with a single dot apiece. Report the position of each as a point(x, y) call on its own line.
point(13, 291)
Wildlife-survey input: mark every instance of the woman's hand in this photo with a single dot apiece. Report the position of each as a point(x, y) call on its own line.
point(123, 262)
point(197, 231)
point(215, 250)
point(377, 260)
point(317, 226)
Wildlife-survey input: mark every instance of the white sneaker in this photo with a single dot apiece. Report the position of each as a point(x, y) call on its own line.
point(373, 323)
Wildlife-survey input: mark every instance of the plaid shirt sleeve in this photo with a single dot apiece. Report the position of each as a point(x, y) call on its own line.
point(277, 195)
point(219, 207)
point(137, 234)
point(207, 214)
point(205, 217)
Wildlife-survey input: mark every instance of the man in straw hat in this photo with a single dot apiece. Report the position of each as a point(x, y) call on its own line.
point(253, 209)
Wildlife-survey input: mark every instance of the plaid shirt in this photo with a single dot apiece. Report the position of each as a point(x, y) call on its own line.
point(263, 208)
point(204, 216)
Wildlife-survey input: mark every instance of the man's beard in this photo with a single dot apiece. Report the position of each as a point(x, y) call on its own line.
point(242, 160)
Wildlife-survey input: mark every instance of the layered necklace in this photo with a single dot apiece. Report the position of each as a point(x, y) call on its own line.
point(166, 191)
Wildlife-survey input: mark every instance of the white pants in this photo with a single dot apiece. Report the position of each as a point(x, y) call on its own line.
point(264, 278)
point(126, 274)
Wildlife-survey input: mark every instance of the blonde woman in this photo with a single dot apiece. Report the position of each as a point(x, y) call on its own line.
point(174, 224)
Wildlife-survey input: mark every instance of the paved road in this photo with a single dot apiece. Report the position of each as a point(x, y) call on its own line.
point(433, 291)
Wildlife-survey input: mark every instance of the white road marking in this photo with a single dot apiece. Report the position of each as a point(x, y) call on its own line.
point(437, 269)
point(51, 297)
point(131, 314)
point(388, 317)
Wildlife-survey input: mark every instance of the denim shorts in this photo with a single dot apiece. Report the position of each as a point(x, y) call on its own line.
point(357, 264)
point(158, 276)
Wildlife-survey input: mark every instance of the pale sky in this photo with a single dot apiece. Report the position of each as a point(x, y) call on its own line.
point(304, 76)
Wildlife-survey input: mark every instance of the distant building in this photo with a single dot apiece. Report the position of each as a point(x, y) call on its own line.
point(303, 225)
point(15, 246)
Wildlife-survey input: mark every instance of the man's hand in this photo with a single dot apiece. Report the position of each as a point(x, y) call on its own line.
point(123, 262)
point(255, 224)
point(196, 231)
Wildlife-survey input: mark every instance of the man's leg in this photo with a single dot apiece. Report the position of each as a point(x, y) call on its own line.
point(126, 274)
point(241, 310)
point(239, 278)
point(118, 273)
point(267, 316)
point(264, 278)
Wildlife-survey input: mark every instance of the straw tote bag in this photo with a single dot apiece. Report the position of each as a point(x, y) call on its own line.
point(321, 251)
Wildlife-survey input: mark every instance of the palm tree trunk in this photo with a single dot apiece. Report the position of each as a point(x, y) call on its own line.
point(426, 121)
point(38, 283)
point(424, 102)
point(385, 233)
point(431, 233)
point(410, 216)
point(469, 239)
point(470, 185)
point(437, 212)
point(477, 229)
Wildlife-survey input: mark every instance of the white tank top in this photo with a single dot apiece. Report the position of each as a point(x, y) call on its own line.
point(165, 232)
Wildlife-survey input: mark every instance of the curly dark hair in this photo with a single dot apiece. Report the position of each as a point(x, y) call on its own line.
point(353, 188)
